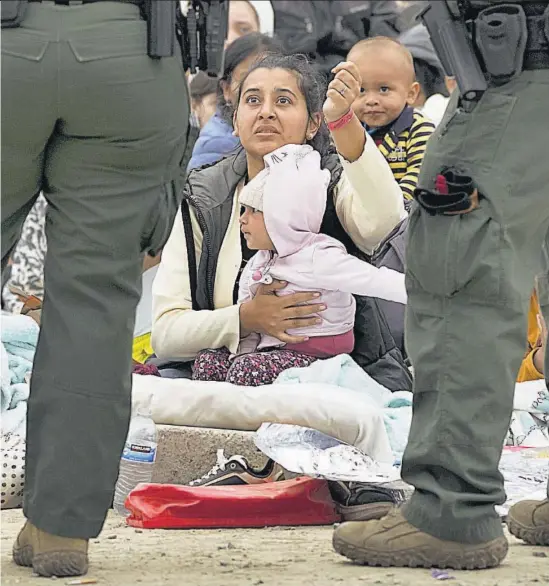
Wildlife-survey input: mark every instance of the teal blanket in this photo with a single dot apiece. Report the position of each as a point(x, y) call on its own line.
point(19, 336)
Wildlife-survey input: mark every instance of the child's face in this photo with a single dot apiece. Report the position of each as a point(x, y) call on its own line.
point(387, 86)
point(252, 225)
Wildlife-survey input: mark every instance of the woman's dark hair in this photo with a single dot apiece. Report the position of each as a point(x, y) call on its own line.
point(311, 83)
point(239, 50)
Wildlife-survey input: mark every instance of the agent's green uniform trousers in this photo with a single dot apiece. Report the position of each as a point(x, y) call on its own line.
point(469, 279)
point(101, 129)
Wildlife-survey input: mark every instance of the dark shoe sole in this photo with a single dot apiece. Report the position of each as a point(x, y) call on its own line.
point(22, 556)
point(530, 535)
point(489, 555)
point(368, 512)
point(62, 564)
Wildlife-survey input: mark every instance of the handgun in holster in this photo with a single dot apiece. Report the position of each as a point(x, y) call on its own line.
point(453, 45)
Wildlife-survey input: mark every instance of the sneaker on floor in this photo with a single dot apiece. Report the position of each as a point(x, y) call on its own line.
point(50, 555)
point(360, 501)
point(393, 542)
point(236, 471)
point(529, 521)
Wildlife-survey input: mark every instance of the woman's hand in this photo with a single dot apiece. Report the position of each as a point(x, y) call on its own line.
point(270, 314)
point(343, 90)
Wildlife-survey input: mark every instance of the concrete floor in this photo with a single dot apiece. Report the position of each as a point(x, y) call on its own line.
point(123, 556)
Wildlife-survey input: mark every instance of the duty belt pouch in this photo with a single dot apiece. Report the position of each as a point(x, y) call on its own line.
point(452, 193)
point(501, 36)
point(13, 12)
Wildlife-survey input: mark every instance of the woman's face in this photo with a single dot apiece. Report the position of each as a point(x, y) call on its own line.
point(242, 20)
point(272, 112)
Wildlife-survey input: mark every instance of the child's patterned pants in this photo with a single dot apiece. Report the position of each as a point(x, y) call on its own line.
point(248, 370)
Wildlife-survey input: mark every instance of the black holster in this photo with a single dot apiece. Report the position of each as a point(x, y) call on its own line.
point(161, 25)
point(452, 194)
point(501, 36)
point(454, 48)
point(13, 12)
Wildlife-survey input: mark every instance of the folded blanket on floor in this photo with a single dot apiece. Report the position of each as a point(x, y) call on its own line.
point(19, 337)
point(345, 414)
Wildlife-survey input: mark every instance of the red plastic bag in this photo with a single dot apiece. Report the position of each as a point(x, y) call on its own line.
point(300, 501)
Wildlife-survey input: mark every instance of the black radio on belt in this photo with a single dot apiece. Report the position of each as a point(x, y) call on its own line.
point(203, 32)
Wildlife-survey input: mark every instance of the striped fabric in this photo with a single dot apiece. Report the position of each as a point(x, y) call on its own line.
point(403, 146)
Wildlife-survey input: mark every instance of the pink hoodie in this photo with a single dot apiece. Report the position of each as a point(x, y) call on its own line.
point(294, 202)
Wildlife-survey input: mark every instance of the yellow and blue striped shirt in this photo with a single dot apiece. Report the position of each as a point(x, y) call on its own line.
point(403, 145)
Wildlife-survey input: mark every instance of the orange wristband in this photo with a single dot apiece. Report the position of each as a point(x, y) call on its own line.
point(341, 122)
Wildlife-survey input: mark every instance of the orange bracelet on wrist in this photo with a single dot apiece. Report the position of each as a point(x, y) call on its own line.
point(341, 122)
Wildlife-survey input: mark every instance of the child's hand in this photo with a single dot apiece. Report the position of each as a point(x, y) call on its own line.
point(343, 90)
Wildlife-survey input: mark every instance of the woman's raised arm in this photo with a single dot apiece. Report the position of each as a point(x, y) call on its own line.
point(368, 199)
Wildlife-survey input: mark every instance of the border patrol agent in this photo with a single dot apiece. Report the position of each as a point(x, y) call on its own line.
point(95, 114)
point(476, 236)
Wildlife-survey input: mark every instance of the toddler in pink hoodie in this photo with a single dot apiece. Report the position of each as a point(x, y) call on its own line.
point(283, 209)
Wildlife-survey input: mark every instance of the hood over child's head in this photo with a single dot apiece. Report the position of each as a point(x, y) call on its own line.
point(291, 193)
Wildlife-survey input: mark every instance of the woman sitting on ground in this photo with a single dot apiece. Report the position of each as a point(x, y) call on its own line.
point(195, 292)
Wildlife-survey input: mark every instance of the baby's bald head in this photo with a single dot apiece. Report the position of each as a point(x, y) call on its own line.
point(389, 51)
point(388, 80)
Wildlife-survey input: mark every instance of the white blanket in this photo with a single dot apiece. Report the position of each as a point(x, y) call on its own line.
point(347, 415)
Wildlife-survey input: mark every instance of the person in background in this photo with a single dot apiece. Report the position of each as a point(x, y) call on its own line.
point(216, 139)
point(385, 107)
point(203, 97)
point(249, 16)
point(435, 85)
point(532, 367)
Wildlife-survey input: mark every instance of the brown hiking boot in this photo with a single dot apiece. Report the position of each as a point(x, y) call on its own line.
point(392, 541)
point(50, 555)
point(529, 521)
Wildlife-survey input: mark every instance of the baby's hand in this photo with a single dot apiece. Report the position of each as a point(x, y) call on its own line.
point(343, 90)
